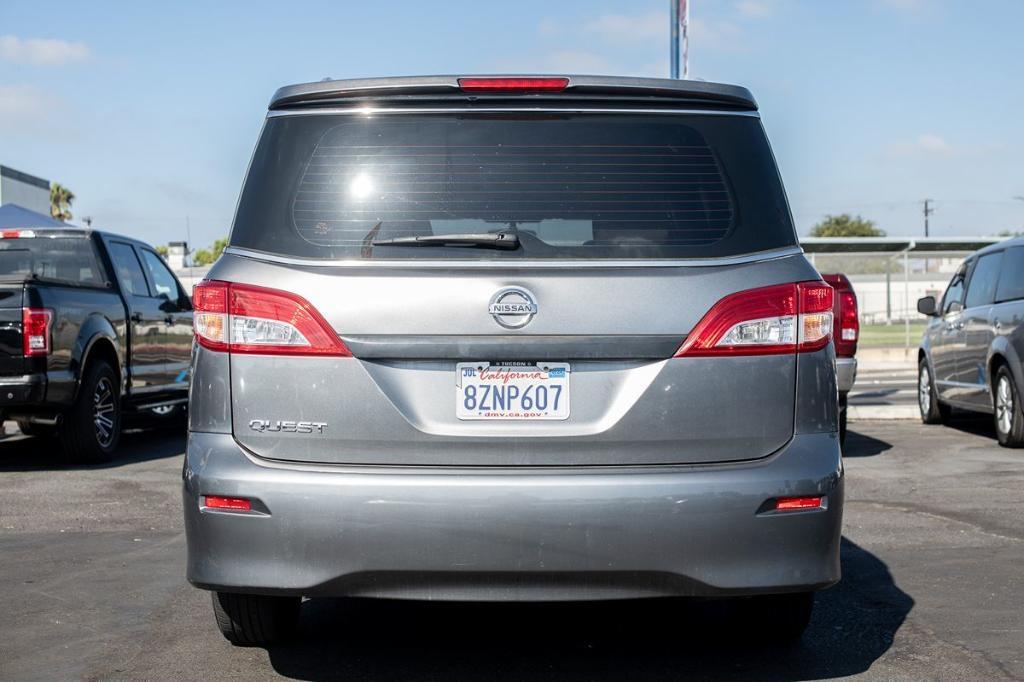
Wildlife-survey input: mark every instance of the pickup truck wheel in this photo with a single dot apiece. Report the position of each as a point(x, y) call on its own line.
point(255, 620)
point(30, 429)
point(92, 427)
point(932, 410)
point(1009, 415)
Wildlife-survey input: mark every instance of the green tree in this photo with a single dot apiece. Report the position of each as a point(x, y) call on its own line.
point(162, 250)
point(845, 225)
point(210, 255)
point(60, 201)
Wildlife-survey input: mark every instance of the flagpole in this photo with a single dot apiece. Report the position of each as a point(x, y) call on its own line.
point(674, 37)
point(686, 38)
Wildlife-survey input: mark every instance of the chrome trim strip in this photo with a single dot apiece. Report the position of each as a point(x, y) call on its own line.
point(538, 347)
point(368, 111)
point(513, 264)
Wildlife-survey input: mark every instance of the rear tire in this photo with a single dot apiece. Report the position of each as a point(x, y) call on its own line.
point(255, 620)
point(932, 410)
point(92, 427)
point(40, 430)
point(1009, 415)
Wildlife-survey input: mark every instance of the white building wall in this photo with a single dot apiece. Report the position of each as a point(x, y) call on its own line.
point(26, 195)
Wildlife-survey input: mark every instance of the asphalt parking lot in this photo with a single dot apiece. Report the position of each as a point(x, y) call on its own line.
point(92, 567)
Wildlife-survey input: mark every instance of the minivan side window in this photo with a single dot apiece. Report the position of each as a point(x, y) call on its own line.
point(1011, 281)
point(955, 291)
point(981, 289)
point(129, 271)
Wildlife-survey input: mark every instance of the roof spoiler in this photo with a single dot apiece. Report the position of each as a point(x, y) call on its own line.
point(578, 87)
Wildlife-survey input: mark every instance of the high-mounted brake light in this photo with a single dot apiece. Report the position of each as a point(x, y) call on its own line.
point(35, 331)
point(521, 85)
point(773, 320)
point(242, 318)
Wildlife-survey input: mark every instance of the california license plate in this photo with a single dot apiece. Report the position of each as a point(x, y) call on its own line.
point(524, 391)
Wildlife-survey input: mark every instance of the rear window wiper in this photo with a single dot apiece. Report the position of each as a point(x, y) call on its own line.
point(505, 241)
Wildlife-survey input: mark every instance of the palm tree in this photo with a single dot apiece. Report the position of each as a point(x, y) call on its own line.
point(60, 201)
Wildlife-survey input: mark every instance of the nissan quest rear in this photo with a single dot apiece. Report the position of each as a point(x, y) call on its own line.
point(512, 338)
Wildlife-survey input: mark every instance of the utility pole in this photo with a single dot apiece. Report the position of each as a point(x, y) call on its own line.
point(927, 212)
point(673, 45)
point(679, 15)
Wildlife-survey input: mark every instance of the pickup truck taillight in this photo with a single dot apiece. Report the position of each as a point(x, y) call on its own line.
point(849, 324)
point(773, 320)
point(35, 331)
point(242, 318)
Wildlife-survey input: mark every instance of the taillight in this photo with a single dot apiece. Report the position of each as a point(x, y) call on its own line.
point(849, 324)
point(35, 331)
point(784, 318)
point(242, 318)
point(518, 85)
point(797, 503)
point(227, 503)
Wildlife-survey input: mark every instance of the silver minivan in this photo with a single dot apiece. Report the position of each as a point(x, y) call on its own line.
point(503, 338)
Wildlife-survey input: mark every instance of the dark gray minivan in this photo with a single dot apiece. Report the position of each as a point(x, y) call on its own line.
point(503, 338)
point(971, 353)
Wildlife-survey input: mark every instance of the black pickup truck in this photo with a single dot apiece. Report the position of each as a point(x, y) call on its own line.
point(93, 325)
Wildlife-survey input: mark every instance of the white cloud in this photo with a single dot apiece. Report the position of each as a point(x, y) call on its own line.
point(25, 104)
point(626, 29)
point(42, 51)
point(754, 9)
point(933, 147)
point(642, 29)
point(904, 5)
point(558, 61)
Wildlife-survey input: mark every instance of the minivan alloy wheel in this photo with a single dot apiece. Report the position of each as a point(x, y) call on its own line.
point(924, 389)
point(1004, 404)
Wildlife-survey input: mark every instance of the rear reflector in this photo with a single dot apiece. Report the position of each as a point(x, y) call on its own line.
point(229, 503)
point(242, 318)
point(521, 85)
point(794, 503)
point(35, 331)
point(773, 320)
point(16, 234)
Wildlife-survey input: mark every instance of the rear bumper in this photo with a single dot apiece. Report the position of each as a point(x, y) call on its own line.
point(537, 534)
point(16, 391)
point(846, 373)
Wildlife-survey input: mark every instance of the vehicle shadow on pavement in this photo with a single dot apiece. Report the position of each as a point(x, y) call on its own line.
point(973, 423)
point(853, 625)
point(41, 453)
point(860, 445)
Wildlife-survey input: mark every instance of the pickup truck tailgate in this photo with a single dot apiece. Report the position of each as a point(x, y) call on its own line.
point(12, 362)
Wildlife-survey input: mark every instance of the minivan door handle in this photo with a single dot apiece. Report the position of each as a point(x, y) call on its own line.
point(169, 319)
point(137, 318)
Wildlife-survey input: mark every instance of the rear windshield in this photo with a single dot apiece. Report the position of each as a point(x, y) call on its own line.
point(585, 186)
point(70, 259)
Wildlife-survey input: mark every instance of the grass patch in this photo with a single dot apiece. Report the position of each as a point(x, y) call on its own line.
point(895, 334)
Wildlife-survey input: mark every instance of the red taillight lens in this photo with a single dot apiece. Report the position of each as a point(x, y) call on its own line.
point(242, 318)
point(227, 503)
point(794, 503)
point(35, 331)
point(772, 320)
point(848, 329)
point(520, 85)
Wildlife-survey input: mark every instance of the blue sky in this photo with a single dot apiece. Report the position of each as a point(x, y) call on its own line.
point(149, 111)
